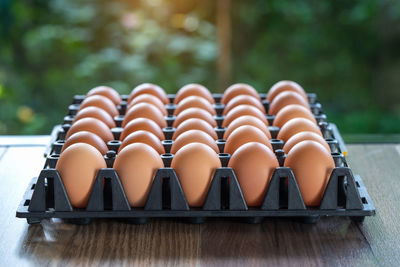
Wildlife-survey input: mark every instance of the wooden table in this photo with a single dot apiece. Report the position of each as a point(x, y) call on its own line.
point(332, 241)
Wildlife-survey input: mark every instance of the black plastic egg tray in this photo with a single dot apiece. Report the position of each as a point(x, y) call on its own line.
point(345, 194)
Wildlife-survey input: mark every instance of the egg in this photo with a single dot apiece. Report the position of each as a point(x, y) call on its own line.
point(244, 100)
point(243, 110)
point(193, 89)
point(284, 99)
point(253, 164)
point(106, 91)
point(151, 99)
point(136, 166)
point(195, 165)
point(145, 110)
point(312, 166)
point(246, 120)
point(87, 138)
point(245, 134)
point(290, 112)
point(191, 113)
point(100, 102)
point(295, 126)
point(283, 86)
point(194, 102)
point(144, 137)
point(78, 166)
point(97, 113)
point(301, 136)
point(91, 125)
point(195, 124)
point(149, 88)
point(142, 124)
point(238, 89)
point(194, 136)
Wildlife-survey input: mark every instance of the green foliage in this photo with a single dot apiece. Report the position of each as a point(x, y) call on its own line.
point(346, 51)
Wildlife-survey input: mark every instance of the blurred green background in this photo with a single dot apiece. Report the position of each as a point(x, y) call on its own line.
point(345, 51)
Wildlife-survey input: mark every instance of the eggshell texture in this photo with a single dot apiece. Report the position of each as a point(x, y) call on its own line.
point(145, 110)
point(87, 138)
point(106, 91)
point(151, 99)
point(295, 126)
point(254, 164)
point(195, 165)
point(238, 89)
point(136, 166)
point(142, 124)
point(149, 88)
point(290, 112)
point(194, 113)
point(194, 136)
point(78, 166)
point(194, 102)
point(195, 124)
point(247, 120)
point(193, 89)
point(91, 125)
point(245, 134)
point(312, 166)
point(283, 86)
point(284, 99)
point(144, 137)
point(97, 113)
point(243, 100)
point(243, 110)
point(100, 102)
point(301, 136)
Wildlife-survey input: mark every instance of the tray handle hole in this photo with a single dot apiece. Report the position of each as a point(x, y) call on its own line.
point(26, 203)
point(364, 200)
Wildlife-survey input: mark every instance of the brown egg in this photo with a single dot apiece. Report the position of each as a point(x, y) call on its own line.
point(245, 134)
point(144, 137)
point(254, 164)
point(243, 110)
point(244, 100)
point(195, 124)
point(100, 102)
point(149, 88)
point(91, 125)
point(78, 166)
point(193, 89)
point(290, 112)
point(301, 136)
point(238, 89)
point(97, 113)
point(283, 86)
point(151, 99)
point(106, 91)
point(87, 138)
point(194, 136)
point(312, 166)
point(247, 120)
point(145, 110)
point(195, 165)
point(191, 113)
point(136, 165)
point(142, 124)
point(194, 102)
point(284, 99)
point(295, 126)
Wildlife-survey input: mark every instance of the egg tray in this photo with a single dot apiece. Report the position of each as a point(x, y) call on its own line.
point(345, 194)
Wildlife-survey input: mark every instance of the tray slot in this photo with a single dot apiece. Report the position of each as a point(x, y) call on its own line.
point(55, 190)
point(224, 192)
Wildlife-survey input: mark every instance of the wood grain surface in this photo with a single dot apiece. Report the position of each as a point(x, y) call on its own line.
point(332, 241)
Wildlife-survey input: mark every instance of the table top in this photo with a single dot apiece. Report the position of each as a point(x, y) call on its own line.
point(332, 241)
